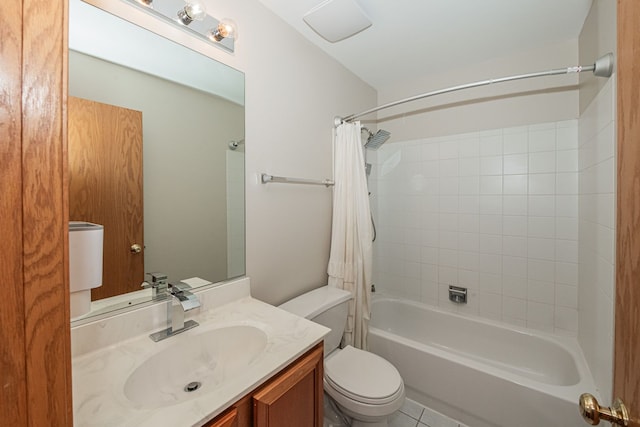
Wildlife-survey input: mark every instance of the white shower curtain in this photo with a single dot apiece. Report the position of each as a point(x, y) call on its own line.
point(350, 260)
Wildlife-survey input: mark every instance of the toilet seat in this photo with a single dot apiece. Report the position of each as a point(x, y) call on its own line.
point(363, 377)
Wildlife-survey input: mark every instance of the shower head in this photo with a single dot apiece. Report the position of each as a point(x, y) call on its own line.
point(375, 140)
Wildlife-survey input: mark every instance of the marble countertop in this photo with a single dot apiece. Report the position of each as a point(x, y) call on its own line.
point(99, 376)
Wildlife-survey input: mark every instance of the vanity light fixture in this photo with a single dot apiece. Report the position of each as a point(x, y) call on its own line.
point(192, 12)
point(225, 29)
point(191, 16)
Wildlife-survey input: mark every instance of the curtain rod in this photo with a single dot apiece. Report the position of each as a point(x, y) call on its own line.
point(603, 67)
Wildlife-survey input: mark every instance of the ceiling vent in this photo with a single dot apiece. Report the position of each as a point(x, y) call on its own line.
point(336, 20)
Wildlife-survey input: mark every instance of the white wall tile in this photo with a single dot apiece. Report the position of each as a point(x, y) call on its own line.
point(448, 150)
point(516, 143)
point(490, 204)
point(567, 206)
point(596, 230)
point(541, 270)
point(469, 204)
point(515, 287)
point(469, 166)
point(567, 161)
point(567, 137)
point(542, 162)
point(469, 185)
point(497, 212)
point(469, 241)
point(514, 266)
point(543, 292)
point(516, 164)
point(469, 147)
point(430, 152)
point(514, 246)
point(542, 183)
point(469, 223)
point(514, 204)
point(515, 308)
point(541, 249)
point(541, 226)
point(491, 145)
point(540, 315)
point(448, 167)
point(514, 225)
point(491, 165)
point(491, 184)
point(515, 184)
point(542, 205)
point(491, 243)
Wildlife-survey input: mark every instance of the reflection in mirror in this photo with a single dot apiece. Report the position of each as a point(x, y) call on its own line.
point(151, 156)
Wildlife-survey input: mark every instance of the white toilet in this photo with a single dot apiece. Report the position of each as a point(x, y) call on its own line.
point(365, 387)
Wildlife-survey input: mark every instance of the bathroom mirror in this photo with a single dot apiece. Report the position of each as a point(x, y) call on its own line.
point(175, 199)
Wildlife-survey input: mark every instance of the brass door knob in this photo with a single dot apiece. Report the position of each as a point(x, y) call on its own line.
point(592, 412)
point(136, 248)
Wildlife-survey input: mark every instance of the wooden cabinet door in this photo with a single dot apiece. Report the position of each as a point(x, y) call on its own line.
point(293, 398)
point(227, 419)
point(105, 187)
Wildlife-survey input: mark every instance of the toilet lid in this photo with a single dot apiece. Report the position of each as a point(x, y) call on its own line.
point(363, 376)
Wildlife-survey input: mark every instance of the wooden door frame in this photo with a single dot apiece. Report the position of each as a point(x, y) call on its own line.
point(627, 306)
point(35, 362)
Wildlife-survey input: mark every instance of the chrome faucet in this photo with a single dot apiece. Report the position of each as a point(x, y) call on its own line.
point(180, 301)
point(159, 284)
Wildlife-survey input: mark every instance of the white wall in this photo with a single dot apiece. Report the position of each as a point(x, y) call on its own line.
point(493, 211)
point(503, 105)
point(236, 236)
point(597, 182)
point(293, 91)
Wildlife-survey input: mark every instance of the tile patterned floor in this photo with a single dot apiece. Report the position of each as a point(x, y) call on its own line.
point(412, 414)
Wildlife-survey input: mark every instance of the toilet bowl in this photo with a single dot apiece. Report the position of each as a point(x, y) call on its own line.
point(364, 386)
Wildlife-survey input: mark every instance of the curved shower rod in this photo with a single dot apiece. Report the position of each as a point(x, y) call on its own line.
point(603, 67)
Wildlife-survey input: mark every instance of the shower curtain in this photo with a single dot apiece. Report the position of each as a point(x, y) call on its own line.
point(350, 260)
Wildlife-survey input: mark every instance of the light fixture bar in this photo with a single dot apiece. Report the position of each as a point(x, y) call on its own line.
point(172, 11)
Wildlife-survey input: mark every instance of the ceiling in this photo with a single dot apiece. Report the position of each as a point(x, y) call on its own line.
point(413, 38)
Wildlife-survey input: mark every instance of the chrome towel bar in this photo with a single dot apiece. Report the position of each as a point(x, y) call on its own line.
point(266, 178)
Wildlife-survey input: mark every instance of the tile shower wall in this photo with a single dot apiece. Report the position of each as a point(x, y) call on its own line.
point(495, 212)
point(597, 166)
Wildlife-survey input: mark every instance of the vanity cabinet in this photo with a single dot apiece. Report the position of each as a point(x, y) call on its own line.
point(292, 398)
point(227, 419)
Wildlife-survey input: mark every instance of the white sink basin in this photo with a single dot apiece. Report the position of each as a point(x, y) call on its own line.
point(198, 361)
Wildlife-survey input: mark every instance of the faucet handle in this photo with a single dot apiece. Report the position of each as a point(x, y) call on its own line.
point(157, 277)
point(158, 284)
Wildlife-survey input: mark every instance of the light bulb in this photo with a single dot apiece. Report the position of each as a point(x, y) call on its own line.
point(226, 29)
point(192, 12)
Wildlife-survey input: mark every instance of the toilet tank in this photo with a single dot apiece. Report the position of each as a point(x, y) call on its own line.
point(326, 306)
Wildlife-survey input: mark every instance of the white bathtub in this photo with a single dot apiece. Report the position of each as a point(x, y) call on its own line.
point(480, 372)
